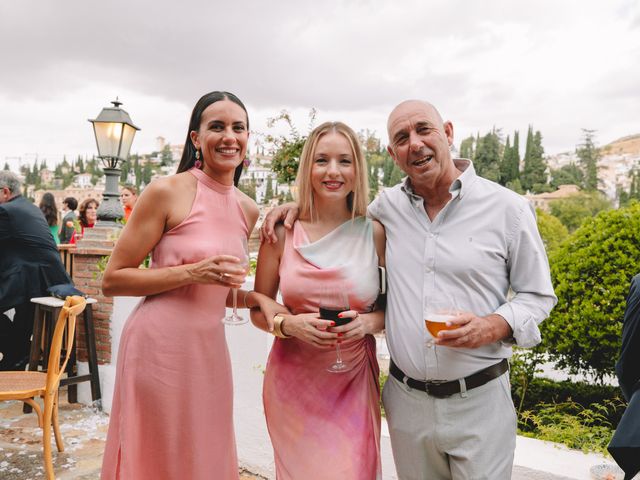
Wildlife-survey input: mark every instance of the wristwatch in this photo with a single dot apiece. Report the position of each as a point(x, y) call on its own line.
point(277, 327)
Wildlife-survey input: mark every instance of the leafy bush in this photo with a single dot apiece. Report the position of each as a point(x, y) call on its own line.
point(591, 273)
point(552, 231)
point(586, 429)
point(574, 210)
point(287, 149)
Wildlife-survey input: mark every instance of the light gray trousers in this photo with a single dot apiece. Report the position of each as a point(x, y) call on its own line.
point(454, 438)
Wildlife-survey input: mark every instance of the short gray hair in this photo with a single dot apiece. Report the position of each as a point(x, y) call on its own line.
point(11, 181)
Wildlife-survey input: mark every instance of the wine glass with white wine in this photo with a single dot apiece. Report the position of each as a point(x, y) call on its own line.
point(234, 318)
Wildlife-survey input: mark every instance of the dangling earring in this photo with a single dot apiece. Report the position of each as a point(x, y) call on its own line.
point(246, 162)
point(198, 163)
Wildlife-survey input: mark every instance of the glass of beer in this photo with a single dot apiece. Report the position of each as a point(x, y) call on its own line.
point(437, 311)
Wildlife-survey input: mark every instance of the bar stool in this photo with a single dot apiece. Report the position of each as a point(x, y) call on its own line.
point(46, 312)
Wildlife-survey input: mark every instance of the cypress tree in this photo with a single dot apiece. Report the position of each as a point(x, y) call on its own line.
point(589, 155)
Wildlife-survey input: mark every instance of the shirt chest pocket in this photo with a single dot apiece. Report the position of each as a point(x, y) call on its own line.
point(472, 254)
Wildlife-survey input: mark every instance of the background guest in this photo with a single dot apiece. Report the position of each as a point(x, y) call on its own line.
point(88, 213)
point(128, 197)
point(67, 227)
point(29, 264)
point(50, 212)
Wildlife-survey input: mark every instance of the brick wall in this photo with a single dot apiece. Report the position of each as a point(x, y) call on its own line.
point(87, 277)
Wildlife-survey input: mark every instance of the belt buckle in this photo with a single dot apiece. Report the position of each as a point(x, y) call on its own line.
point(433, 383)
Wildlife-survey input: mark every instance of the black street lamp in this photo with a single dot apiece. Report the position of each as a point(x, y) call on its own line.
point(114, 132)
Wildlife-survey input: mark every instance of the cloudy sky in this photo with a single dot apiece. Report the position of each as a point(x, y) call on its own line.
point(559, 65)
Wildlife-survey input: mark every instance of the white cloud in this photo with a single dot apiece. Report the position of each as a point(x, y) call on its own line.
point(557, 65)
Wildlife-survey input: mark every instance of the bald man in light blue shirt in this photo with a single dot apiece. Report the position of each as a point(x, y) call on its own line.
point(453, 233)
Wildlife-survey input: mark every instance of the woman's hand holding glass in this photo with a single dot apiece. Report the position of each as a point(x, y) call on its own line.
point(310, 328)
point(356, 329)
point(234, 318)
point(226, 270)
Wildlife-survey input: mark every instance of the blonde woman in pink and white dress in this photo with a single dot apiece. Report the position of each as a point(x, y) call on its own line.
point(325, 425)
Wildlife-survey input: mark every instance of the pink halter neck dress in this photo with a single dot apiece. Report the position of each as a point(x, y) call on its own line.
point(172, 413)
point(325, 425)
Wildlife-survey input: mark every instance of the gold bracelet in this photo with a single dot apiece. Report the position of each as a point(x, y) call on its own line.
point(244, 300)
point(277, 327)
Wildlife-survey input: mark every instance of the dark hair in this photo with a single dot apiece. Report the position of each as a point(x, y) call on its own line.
point(49, 209)
point(71, 202)
point(189, 152)
point(82, 211)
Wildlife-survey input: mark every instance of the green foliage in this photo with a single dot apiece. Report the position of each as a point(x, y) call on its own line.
point(391, 173)
point(634, 189)
point(589, 156)
point(591, 272)
point(6, 166)
point(534, 174)
point(166, 157)
point(487, 156)
point(567, 175)
point(578, 427)
point(574, 210)
point(466, 147)
point(516, 186)
point(268, 191)
point(510, 165)
point(248, 187)
point(147, 172)
point(287, 149)
point(551, 229)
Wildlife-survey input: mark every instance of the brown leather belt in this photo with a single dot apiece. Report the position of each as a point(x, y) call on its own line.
point(443, 389)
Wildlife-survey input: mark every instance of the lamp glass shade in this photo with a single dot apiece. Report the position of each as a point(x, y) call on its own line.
point(114, 139)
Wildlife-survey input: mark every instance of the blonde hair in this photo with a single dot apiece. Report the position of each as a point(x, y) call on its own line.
point(358, 199)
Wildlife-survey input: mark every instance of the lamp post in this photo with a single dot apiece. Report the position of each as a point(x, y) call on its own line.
point(114, 132)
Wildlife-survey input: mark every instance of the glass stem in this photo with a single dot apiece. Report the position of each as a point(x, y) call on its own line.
point(338, 354)
point(235, 301)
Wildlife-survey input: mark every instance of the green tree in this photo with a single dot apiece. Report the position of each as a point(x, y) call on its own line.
point(567, 175)
point(551, 229)
point(166, 157)
point(268, 191)
point(466, 147)
point(147, 171)
point(248, 187)
point(591, 272)
point(80, 164)
point(6, 166)
point(374, 182)
point(634, 189)
point(287, 149)
point(510, 165)
point(589, 155)
point(391, 173)
point(516, 186)
point(534, 174)
point(575, 209)
point(487, 157)
point(137, 169)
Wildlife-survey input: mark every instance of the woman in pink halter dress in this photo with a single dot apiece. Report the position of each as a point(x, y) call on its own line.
point(325, 425)
point(172, 415)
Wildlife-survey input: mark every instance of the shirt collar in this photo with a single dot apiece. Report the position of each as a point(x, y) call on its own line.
point(460, 185)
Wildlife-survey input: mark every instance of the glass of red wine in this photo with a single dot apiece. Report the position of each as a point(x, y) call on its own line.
point(333, 301)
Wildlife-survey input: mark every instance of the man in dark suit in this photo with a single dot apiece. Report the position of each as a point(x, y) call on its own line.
point(68, 227)
point(29, 264)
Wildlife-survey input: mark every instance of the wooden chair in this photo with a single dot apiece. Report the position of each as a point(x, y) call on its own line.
point(26, 385)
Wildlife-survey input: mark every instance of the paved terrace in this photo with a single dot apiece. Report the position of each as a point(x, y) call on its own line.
point(84, 429)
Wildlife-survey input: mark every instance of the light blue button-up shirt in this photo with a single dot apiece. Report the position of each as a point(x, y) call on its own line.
point(483, 249)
